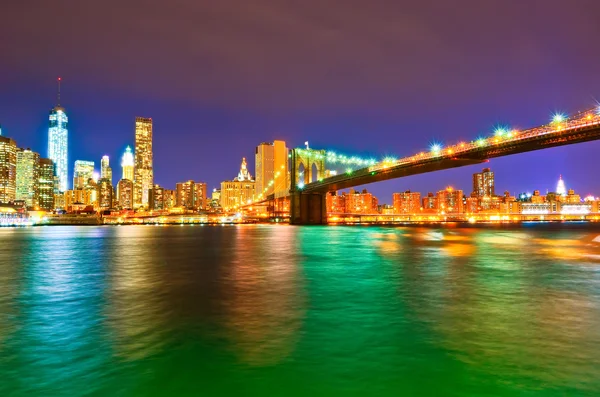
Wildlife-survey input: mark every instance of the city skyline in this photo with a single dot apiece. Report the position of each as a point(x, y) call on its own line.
point(387, 106)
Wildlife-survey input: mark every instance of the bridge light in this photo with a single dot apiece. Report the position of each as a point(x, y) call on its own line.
point(481, 142)
point(349, 171)
point(499, 131)
point(301, 185)
point(558, 117)
point(436, 147)
point(449, 151)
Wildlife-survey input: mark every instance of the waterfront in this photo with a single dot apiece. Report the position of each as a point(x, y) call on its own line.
point(281, 310)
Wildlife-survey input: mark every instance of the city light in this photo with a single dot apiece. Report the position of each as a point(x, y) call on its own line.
point(500, 131)
point(436, 148)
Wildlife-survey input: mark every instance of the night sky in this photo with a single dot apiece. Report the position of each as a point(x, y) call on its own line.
point(360, 77)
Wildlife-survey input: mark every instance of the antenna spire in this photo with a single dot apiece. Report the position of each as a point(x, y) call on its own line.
point(58, 93)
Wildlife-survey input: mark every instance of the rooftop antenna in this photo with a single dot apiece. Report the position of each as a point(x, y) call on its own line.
point(58, 93)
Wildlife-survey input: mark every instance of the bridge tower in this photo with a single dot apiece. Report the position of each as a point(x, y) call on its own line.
point(307, 208)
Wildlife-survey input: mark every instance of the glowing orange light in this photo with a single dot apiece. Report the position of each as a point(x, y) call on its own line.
point(449, 151)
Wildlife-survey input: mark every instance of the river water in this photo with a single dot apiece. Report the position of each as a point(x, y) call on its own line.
point(299, 311)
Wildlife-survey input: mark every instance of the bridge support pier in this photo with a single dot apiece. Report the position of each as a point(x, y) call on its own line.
point(308, 208)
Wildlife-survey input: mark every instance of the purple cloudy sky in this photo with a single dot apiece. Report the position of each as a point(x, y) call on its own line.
point(360, 77)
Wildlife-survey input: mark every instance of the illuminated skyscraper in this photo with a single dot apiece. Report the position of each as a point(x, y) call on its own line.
point(238, 192)
point(105, 170)
point(28, 174)
point(46, 184)
point(271, 168)
point(8, 170)
point(143, 178)
point(483, 184)
point(104, 194)
point(127, 164)
point(84, 171)
point(58, 142)
point(125, 194)
point(561, 190)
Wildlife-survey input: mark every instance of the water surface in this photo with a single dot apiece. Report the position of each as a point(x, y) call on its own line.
point(298, 311)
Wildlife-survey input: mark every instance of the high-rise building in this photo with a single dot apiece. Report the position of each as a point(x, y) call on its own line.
point(430, 203)
point(8, 170)
point(271, 168)
point(335, 203)
point(143, 179)
point(125, 194)
point(47, 184)
point(105, 194)
point(450, 201)
point(483, 183)
point(28, 175)
point(58, 142)
point(239, 191)
point(156, 198)
point(191, 195)
point(105, 170)
point(407, 202)
point(127, 164)
point(84, 171)
point(561, 190)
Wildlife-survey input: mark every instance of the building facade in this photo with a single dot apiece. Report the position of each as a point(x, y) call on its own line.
point(191, 195)
point(28, 175)
point(125, 194)
point(82, 173)
point(450, 201)
point(47, 184)
point(360, 202)
point(407, 202)
point(483, 183)
point(8, 170)
point(127, 164)
point(104, 194)
point(239, 191)
point(143, 179)
point(156, 198)
point(271, 167)
point(105, 170)
point(58, 145)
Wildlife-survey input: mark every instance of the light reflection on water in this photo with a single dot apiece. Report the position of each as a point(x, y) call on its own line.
point(280, 310)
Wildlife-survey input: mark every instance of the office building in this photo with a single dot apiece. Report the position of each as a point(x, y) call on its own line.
point(407, 202)
point(105, 170)
point(83, 172)
point(58, 142)
point(8, 170)
point(104, 194)
point(483, 184)
point(127, 164)
point(239, 191)
point(191, 195)
point(28, 175)
point(47, 185)
point(143, 178)
point(156, 198)
point(271, 166)
point(125, 194)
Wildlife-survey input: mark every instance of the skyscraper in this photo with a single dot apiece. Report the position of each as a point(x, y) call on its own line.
point(271, 166)
point(105, 170)
point(127, 164)
point(238, 192)
point(104, 194)
point(84, 171)
point(125, 194)
point(143, 179)
point(483, 184)
point(58, 142)
point(28, 174)
point(191, 195)
point(46, 184)
point(561, 190)
point(8, 170)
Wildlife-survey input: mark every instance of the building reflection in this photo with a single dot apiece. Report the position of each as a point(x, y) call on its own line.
point(265, 303)
point(136, 312)
point(11, 258)
point(59, 334)
point(517, 306)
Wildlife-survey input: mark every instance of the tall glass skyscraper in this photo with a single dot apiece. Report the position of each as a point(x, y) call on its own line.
point(143, 178)
point(58, 142)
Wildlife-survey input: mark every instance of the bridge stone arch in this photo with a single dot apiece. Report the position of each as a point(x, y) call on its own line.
point(307, 158)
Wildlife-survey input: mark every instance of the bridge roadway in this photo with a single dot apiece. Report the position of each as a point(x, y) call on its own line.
point(464, 154)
